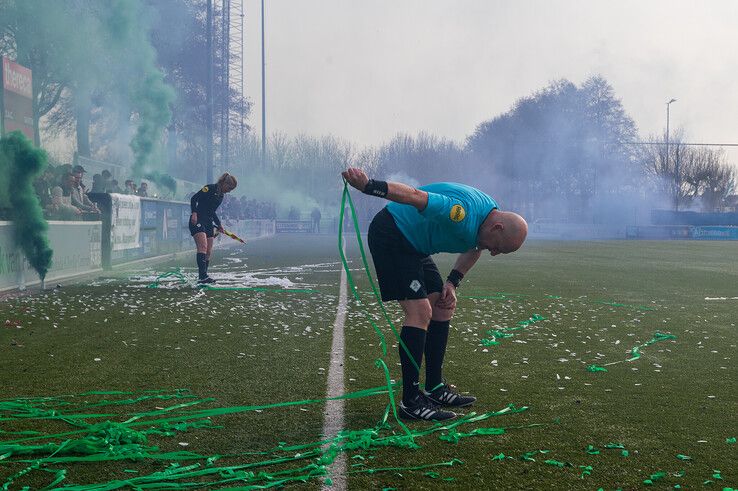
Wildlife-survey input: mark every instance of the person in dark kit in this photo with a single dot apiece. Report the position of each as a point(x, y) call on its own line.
point(143, 190)
point(98, 186)
point(439, 217)
point(315, 215)
point(107, 177)
point(204, 220)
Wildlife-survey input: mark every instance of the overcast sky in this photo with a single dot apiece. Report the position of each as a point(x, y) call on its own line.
point(367, 69)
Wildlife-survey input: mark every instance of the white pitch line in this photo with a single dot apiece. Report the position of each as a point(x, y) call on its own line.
point(333, 415)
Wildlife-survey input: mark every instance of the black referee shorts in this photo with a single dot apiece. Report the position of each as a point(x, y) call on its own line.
point(402, 271)
point(206, 226)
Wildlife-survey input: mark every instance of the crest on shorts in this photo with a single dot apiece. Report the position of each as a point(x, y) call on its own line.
point(415, 285)
point(205, 189)
point(457, 213)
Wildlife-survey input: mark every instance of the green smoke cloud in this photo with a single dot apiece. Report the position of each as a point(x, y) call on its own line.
point(151, 97)
point(163, 181)
point(22, 162)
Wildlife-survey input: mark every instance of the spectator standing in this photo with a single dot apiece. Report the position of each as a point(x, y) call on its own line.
point(143, 190)
point(114, 188)
point(98, 186)
point(315, 215)
point(107, 179)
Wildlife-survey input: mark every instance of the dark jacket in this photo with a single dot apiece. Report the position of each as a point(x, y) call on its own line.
point(205, 202)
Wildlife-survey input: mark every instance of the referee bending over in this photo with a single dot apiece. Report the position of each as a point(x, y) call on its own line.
point(440, 217)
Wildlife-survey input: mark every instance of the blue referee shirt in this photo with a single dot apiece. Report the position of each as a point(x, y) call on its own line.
point(449, 223)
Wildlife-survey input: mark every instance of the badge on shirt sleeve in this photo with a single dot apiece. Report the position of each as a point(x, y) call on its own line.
point(457, 213)
point(205, 189)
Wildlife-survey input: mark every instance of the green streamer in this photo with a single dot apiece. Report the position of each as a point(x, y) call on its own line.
point(657, 476)
point(528, 456)
point(505, 331)
point(592, 450)
point(634, 351)
point(177, 274)
point(657, 337)
point(346, 198)
point(414, 468)
point(129, 439)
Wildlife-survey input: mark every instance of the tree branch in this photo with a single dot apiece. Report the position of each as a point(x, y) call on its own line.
point(53, 102)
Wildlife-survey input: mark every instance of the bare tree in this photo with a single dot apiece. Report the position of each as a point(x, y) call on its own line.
point(713, 178)
point(689, 174)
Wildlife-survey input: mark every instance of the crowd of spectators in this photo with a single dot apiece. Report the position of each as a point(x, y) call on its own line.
point(64, 195)
point(234, 208)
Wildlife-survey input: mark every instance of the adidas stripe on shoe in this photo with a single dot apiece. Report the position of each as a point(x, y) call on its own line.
point(421, 408)
point(447, 395)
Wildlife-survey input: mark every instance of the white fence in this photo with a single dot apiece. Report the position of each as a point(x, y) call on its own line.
point(76, 246)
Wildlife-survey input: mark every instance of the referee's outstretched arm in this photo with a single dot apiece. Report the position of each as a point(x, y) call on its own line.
point(393, 191)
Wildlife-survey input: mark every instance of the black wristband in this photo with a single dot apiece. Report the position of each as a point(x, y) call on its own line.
point(455, 277)
point(376, 188)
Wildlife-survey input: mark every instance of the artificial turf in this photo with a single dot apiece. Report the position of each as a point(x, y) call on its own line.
point(598, 300)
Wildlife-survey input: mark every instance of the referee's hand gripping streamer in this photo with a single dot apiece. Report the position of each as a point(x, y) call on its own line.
point(358, 179)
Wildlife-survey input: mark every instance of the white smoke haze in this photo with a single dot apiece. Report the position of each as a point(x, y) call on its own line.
point(411, 96)
point(267, 188)
point(444, 68)
point(404, 178)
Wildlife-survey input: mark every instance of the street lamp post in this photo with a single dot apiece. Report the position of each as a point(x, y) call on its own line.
point(676, 170)
point(263, 94)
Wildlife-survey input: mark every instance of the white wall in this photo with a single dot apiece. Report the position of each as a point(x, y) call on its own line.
point(76, 246)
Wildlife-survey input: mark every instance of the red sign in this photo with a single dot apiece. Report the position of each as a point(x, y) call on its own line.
point(17, 98)
point(17, 78)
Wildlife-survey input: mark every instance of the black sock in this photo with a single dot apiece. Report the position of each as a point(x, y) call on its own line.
point(207, 264)
point(414, 339)
point(435, 348)
point(202, 268)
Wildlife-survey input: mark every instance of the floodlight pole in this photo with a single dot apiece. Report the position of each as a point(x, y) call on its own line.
point(209, 96)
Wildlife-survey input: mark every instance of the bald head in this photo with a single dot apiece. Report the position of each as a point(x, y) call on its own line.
point(503, 232)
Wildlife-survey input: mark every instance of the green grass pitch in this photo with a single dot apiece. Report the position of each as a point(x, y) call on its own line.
point(527, 328)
